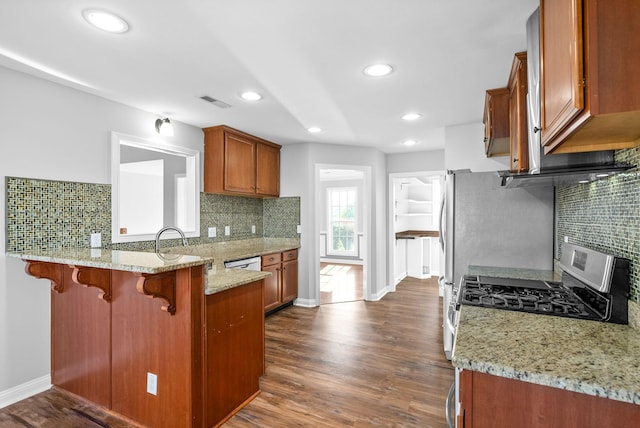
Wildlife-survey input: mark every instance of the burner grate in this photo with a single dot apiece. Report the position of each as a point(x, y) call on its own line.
point(536, 297)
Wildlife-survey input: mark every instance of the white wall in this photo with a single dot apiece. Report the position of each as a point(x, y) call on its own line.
point(298, 179)
point(50, 131)
point(432, 160)
point(464, 149)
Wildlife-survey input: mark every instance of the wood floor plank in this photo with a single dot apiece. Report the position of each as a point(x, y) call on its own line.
point(355, 364)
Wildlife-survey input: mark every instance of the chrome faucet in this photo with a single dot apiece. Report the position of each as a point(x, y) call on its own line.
point(161, 231)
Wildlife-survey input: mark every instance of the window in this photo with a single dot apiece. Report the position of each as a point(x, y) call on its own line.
point(341, 202)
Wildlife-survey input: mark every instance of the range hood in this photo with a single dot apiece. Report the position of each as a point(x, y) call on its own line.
point(560, 169)
point(561, 176)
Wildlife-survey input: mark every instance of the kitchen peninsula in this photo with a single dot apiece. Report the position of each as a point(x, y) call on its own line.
point(166, 340)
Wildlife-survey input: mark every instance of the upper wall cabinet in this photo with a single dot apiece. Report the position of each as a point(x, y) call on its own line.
point(496, 122)
point(237, 163)
point(518, 139)
point(590, 91)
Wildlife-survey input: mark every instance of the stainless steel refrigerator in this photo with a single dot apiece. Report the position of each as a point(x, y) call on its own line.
point(485, 224)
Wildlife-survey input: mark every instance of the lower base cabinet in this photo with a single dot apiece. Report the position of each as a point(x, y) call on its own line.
point(153, 347)
point(281, 287)
point(234, 349)
point(498, 402)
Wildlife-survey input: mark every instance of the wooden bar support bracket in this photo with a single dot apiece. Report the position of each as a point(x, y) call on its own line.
point(93, 277)
point(50, 271)
point(161, 285)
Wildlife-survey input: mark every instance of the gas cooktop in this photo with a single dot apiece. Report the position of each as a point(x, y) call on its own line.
point(595, 286)
point(528, 296)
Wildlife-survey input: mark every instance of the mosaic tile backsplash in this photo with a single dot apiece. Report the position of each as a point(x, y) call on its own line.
point(605, 215)
point(46, 214)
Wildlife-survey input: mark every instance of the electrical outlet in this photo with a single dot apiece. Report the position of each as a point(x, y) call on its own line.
point(152, 383)
point(253, 229)
point(96, 240)
point(212, 232)
point(227, 230)
point(566, 239)
point(298, 229)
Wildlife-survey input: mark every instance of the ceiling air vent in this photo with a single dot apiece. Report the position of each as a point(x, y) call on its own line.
point(215, 102)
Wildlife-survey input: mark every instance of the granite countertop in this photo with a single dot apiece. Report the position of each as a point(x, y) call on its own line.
point(218, 278)
point(590, 357)
point(132, 261)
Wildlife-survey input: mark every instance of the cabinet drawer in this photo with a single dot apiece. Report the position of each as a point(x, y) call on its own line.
point(289, 255)
point(271, 259)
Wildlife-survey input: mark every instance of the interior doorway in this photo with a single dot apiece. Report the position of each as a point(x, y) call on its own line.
point(414, 218)
point(342, 209)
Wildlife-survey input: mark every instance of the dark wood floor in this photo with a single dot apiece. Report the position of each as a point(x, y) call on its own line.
point(340, 283)
point(356, 364)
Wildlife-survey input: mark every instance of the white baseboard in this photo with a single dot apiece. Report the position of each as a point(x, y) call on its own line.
point(400, 278)
point(25, 390)
point(305, 303)
point(379, 295)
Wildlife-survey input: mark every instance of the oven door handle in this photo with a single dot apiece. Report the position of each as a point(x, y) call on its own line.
point(450, 406)
point(448, 320)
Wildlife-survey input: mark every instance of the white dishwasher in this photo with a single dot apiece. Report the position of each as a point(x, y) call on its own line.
point(253, 263)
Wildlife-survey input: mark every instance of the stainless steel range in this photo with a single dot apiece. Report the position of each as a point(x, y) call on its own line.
point(595, 286)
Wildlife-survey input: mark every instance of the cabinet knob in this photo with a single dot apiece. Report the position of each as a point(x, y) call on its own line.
point(536, 129)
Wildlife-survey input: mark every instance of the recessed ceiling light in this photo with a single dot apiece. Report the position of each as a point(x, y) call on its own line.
point(602, 175)
point(314, 129)
point(250, 96)
point(411, 116)
point(410, 143)
point(106, 21)
point(378, 70)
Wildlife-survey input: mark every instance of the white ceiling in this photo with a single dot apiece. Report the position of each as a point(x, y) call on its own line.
point(306, 58)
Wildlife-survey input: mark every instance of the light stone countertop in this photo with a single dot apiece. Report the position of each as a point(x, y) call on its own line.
point(132, 261)
point(590, 357)
point(218, 277)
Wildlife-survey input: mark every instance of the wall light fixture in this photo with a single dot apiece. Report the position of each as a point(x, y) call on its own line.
point(164, 127)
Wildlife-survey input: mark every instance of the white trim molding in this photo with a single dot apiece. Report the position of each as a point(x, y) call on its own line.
point(305, 303)
point(25, 390)
point(379, 295)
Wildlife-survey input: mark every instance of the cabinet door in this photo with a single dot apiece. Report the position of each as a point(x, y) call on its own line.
point(518, 138)
point(239, 173)
point(289, 280)
point(272, 287)
point(267, 170)
point(235, 350)
point(562, 72)
point(496, 122)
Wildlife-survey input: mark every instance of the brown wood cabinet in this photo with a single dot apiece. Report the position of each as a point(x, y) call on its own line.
point(282, 286)
point(518, 135)
point(235, 349)
point(237, 163)
point(496, 122)
point(590, 57)
point(110, 330)
point(493, 401)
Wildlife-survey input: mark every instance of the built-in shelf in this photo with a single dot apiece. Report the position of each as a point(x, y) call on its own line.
point(416, 203)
